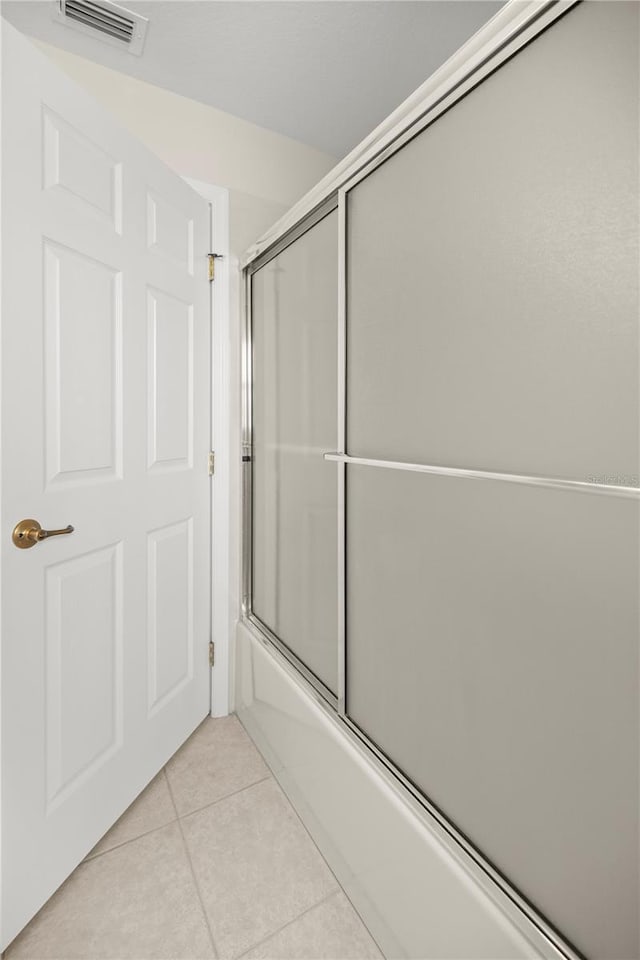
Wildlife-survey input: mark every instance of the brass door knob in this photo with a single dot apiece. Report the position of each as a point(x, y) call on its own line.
point(29, 532)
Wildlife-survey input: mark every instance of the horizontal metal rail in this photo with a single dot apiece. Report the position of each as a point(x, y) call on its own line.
point(555, 483)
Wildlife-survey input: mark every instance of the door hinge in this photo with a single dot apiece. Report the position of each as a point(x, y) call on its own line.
point(212, 257)
point(211, 653)
point(212, 463)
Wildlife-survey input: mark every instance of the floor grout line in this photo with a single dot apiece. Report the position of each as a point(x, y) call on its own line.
point(227, 796)
point(178, 816)
point(168, 783)
point(284, 926)
point(90, 857)
point(191, 867)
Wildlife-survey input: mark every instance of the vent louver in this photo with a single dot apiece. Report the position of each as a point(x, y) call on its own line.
point(100, 19)
point(115, 24)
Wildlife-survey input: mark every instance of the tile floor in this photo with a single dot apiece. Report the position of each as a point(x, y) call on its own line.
point(210, 861)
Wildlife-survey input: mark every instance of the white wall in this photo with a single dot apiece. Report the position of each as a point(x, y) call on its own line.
point(265, 172)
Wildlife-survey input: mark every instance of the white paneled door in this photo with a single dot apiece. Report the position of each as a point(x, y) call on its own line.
point(105, 427)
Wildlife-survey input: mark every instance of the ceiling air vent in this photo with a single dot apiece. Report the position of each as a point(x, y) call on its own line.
point(104, 20)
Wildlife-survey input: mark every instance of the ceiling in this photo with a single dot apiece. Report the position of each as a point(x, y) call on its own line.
point(324, 72)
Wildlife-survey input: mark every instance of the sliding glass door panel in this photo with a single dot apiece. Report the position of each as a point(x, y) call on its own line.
point(492, 269)
point(488, 629)
point(294, 319)
point(492, 654)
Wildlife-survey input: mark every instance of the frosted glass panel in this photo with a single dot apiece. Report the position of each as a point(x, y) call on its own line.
point(492, 653)
point(493, 269)
point(294, 417)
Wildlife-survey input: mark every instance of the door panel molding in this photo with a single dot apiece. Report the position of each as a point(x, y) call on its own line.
point(77, 625)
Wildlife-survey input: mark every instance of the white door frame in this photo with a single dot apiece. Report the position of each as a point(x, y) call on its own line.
point(218, 198)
